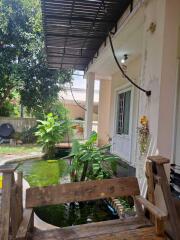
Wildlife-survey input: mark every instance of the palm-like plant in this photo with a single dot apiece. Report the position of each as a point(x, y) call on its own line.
point(90, 162)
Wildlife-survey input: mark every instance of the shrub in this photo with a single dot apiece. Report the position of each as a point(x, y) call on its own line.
point(49, 132)
point(9, 110)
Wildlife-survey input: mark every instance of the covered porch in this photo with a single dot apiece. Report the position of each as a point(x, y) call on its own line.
point(78, 36)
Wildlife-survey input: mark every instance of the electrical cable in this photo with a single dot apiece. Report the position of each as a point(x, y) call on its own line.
point(148, 92)
point(68, 135)
point(77, 103)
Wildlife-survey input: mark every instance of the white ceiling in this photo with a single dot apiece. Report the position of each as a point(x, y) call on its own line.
point(127, 40)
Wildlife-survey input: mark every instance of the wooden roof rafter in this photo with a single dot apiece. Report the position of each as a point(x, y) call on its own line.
point(76, 29)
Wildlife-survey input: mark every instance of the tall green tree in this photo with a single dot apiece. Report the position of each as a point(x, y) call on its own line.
point(22, 58)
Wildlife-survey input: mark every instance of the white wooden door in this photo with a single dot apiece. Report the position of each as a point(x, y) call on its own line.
point(122, 140)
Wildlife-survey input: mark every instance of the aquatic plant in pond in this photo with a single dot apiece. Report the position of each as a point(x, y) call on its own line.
point(90, 162)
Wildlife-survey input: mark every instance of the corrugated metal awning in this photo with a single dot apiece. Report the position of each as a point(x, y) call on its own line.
point(75, 29)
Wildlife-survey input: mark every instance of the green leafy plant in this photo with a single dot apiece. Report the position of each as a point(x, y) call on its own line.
point(50, 131)
point(58, 109)
point(90, 162)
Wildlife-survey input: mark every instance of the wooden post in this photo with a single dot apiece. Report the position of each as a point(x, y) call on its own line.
point(16, 206)
point(138, 207)
point(5, 205)
point(150, 182)
point(7, 186)
point(173, 219)
point(150, 185)
point(159, 161)
point(159, 225)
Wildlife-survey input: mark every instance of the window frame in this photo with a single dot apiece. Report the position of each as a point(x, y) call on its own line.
point(118, 91)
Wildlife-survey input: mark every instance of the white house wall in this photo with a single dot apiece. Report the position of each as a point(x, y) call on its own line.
point(169, 79)
point(153, 62)
point(159, 74)
point(152, 52)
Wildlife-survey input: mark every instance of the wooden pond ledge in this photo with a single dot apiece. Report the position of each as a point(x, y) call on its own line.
point(9, 168)
point(159, 160)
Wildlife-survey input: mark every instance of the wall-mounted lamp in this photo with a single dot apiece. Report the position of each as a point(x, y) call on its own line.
point(124, 59)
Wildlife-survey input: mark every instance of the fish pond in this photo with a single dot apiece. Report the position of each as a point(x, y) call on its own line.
point(39, 173)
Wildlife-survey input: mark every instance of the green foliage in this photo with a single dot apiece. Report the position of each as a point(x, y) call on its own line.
point(90, 162)
point(58, 109)
point(15, 35)
point(22, 57)
point(8, 110)
point(127, 203)
point(11, 107)
point(43, 84)
point(50, 131)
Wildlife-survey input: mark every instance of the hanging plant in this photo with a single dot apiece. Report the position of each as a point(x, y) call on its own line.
point(143, 132)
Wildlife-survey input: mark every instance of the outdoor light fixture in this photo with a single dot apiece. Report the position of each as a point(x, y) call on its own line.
point(124, 59)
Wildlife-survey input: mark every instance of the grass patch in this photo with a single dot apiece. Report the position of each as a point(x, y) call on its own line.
point(29, 148)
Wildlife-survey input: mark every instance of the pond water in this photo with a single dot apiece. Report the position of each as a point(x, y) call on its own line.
point(40, 173)
point(51, 172)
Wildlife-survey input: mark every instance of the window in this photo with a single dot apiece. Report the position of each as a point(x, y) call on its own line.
point(123, 112)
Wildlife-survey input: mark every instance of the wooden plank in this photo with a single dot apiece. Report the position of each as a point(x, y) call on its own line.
point(138, 207)
point(150, 185)
point(5, 205)
point(172, 213)
point(91, 229)
point(26, 225)
point(150, 182)
point(157, 212)
point(112, 226)
point(16, 205)
point(159, 226)
point(159, 159)
point(14, 211)
point(20, 195)
point(146, 233)
point(81, 191)
point(177, 205)
point(9, 168)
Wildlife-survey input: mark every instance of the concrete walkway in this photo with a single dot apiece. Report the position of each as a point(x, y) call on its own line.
point(9, 158)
